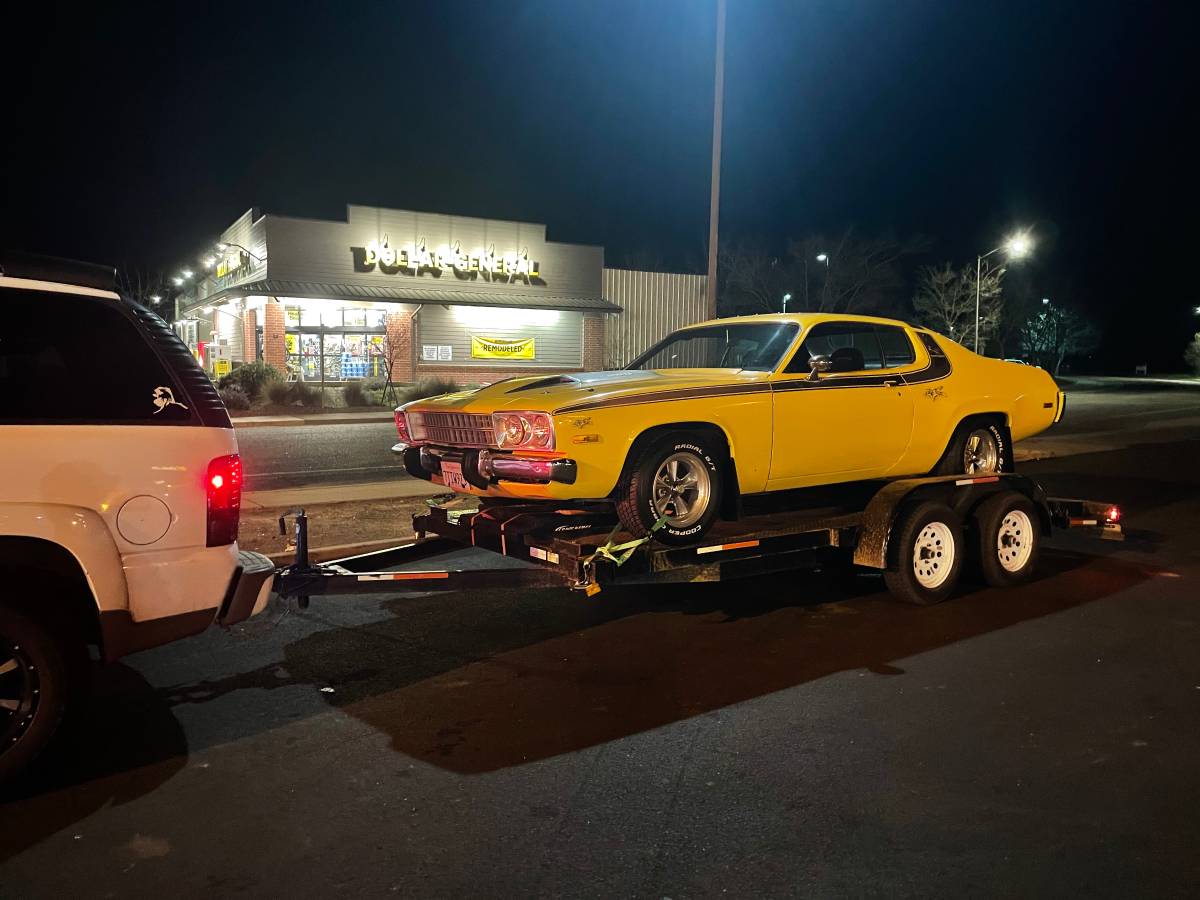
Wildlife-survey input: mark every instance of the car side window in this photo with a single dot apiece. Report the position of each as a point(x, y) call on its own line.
point(895, 345)
point(851, 346)
point(68, 359)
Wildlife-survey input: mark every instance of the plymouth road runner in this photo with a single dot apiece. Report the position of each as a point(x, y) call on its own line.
point(733, 407)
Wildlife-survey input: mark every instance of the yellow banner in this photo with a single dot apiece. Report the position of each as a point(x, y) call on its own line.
point(501, 348)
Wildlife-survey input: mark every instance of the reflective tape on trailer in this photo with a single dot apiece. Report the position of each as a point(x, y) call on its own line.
point(983, 479)
point(548, 555)
point(736, 545)
point(403, 576)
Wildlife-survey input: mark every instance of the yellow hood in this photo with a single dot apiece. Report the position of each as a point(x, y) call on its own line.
point(549, 393)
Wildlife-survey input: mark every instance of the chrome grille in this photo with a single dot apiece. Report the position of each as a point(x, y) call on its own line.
point(458, 429)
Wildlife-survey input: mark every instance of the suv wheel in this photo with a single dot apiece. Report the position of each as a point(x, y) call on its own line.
point(33, 689)
point(676, 477)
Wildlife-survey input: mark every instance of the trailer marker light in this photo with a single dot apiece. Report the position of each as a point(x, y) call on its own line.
point(547, 555)
point(736, 545)
point(1113, 514)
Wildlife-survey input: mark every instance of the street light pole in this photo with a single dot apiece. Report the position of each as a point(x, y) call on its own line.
point(714, 200)
point(1017, 246)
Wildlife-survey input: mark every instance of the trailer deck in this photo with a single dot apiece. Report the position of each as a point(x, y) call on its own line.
point(581, 548)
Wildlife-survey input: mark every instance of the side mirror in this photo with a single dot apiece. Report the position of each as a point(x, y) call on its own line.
point(819, 364)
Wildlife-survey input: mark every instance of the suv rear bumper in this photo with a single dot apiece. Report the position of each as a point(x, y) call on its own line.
point(247, 595)
point(249, 589)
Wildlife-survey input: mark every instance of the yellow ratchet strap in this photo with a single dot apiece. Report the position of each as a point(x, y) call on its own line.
point(620, 553)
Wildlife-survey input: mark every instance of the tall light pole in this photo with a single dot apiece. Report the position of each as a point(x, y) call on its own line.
point(1016, 246)
point(786, 298)
point(714, 200)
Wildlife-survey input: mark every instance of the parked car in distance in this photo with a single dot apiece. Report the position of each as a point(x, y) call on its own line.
point(120, 509)
point(733, 407)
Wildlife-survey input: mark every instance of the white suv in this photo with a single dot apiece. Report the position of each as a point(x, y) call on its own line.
point(120, 492)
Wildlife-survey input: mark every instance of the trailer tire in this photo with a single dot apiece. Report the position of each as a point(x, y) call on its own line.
point(35, 681)
point(1007, 539)
point(697, 458)
point(926, 554)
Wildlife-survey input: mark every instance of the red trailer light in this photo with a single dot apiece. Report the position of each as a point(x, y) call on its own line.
point(1113, 514)
point(223, 486)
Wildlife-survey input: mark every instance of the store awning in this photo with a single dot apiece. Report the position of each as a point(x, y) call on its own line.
point(319, 290)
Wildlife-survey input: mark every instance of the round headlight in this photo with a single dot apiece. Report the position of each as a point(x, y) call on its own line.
point(515, 430)
point(540, 436)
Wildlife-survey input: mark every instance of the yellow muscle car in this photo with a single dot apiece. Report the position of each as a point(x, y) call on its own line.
point(733, 407)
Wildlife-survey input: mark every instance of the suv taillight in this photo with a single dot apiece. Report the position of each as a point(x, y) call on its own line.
point(223, 485)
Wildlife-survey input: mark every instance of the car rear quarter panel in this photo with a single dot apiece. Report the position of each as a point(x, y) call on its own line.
point(77, 478)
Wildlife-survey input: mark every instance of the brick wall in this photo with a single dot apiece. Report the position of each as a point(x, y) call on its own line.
point(249, 335)
point(274, 348)
point(399, 342)
point(595, 328)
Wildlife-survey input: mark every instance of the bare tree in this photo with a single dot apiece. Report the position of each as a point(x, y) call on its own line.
point(147, 288)
point(1191, 355)
point(945, 301)
point(753, 281)
point(856, 275)
point(1050, 335)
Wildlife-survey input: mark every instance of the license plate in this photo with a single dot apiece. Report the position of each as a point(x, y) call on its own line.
point(452, 477)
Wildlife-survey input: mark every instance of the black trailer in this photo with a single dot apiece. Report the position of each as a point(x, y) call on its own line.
point(921, 533)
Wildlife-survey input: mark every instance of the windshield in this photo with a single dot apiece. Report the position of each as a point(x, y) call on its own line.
point(754, 346)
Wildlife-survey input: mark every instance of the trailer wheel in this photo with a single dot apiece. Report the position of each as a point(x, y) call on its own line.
point(33, 689)
point(676, 477)
point(1007, 538)
point(927, 549)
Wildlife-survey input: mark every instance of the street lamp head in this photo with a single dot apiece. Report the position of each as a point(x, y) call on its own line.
point(787, 297)
point(1045, 301)
point(823, 257)
point(177, 281)
point(186, 274)
point(222, 247)
point(155, 298)
point(1197, 310)
point(1018, 245)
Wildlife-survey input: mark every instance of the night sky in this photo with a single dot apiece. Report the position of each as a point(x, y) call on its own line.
point(133, 134)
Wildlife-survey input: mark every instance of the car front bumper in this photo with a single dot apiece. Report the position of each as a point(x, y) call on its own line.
point(484, 467)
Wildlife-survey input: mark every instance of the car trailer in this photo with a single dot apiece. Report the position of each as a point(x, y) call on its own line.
point(920, 532)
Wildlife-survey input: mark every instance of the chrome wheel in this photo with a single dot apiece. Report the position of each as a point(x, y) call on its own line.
point(1014, 541)
point(19, 693)
point(933, 555)
point(981, 452)
point(682, 489)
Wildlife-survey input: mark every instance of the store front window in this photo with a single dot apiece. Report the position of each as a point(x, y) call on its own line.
point(343, 344)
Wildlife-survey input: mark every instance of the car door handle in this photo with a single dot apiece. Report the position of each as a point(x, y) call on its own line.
point(890, 383)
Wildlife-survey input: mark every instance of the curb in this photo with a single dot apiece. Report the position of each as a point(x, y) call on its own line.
point(295, 421)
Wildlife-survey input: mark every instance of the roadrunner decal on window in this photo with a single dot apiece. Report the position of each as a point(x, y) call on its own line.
point(164, 397)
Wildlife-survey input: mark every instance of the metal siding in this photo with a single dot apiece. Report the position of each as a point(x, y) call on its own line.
point(558, 345)
point(654, 304)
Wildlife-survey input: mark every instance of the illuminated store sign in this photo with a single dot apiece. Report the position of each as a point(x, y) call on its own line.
point(417, 259)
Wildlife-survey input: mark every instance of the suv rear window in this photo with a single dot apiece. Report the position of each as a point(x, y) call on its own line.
point(66, 358)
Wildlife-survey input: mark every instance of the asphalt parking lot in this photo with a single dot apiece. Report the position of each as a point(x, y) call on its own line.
point(772, 737)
